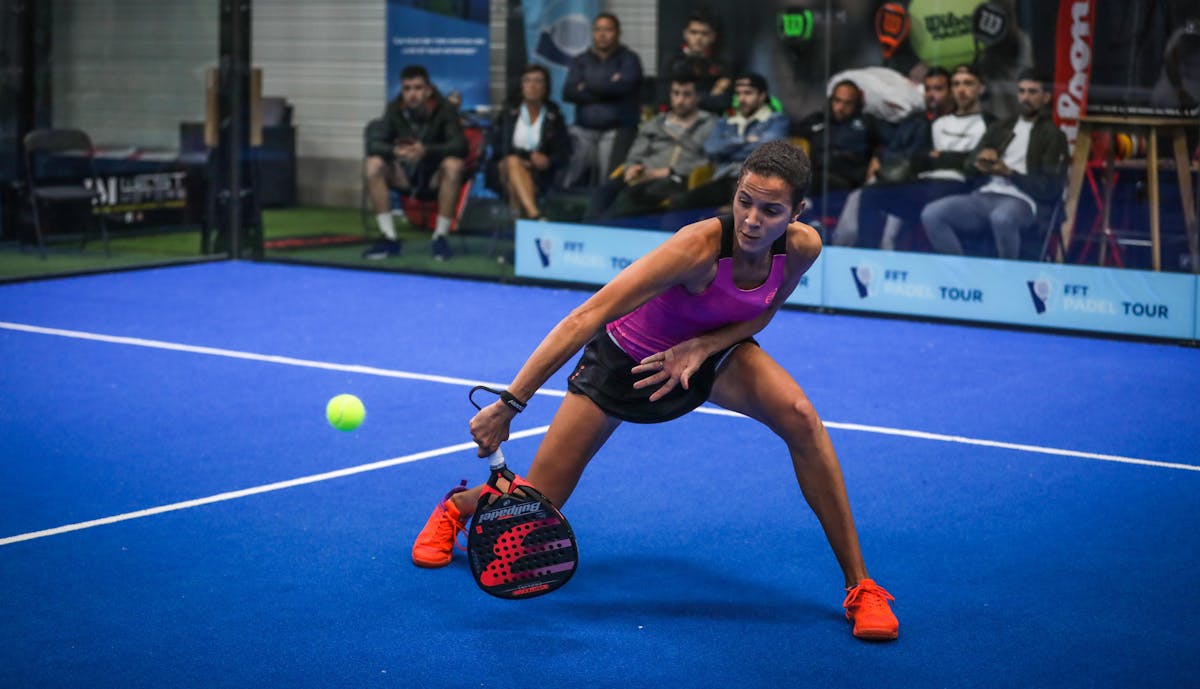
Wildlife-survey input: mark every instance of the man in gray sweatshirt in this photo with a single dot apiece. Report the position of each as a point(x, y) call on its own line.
point(666, 150)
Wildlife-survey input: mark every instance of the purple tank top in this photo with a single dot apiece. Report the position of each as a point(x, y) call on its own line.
point(677, 315)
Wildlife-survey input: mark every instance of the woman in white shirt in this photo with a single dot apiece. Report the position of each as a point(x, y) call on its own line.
point(529, 144)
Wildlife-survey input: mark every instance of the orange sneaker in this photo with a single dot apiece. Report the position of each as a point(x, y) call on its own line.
point(434, 546)
point(867, 607)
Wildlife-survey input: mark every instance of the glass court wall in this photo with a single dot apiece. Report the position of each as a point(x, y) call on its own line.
point(142, 79)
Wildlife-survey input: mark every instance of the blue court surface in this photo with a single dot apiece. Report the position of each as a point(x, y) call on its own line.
point(175, 511)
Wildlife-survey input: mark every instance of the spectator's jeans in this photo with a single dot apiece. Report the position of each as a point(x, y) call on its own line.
point(905, 201)
point(846, 231)
point(976, 213)
point(594, 154)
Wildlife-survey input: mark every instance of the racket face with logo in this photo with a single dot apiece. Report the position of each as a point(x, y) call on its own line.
point(519, 544)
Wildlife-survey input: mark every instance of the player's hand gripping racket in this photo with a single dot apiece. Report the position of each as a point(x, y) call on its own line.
point(519, 544)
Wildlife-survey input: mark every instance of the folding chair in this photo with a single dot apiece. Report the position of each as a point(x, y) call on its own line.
point(48, 188)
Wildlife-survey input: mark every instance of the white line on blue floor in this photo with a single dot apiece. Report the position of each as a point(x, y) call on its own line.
point(389, 373)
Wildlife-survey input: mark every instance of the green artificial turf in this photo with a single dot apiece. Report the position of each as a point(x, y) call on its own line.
point(332, 236)
point(474, 255)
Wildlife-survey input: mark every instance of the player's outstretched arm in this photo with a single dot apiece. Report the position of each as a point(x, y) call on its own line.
point(687, 257)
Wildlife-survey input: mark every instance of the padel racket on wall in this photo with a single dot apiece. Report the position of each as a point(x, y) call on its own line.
point(519, 544)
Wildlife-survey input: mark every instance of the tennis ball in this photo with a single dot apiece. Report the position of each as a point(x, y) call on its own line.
point(345, 412)
point(941, 33)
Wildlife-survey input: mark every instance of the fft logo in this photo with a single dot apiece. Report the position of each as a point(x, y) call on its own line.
point(862, 275)
point(545, 247)
point(1039, 292)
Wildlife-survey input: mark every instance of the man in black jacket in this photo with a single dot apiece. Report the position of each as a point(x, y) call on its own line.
point(841, 135)
point(1024, 159)
point(604, 82)
point(696, 57)
point(419, 148)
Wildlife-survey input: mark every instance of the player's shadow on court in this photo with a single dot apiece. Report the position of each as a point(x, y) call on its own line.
point(616, 587)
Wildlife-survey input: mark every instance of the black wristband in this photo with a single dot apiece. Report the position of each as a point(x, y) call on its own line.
point(511, 400)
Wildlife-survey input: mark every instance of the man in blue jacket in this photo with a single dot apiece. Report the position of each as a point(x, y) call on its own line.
point(604, 82)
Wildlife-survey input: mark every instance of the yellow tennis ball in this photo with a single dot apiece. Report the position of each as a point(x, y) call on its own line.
point(940, 32)
point(345, 412)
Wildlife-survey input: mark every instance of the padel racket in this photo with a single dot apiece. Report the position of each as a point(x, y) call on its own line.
point(519, 544)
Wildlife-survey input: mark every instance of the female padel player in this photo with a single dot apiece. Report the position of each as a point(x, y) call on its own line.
point(671, 331)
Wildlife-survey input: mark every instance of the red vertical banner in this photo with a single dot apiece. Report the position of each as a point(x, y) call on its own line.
point(1073, 64)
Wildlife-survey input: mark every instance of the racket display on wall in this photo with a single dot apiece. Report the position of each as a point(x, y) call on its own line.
point(519, 544)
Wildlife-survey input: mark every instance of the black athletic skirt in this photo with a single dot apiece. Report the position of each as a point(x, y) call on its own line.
point(604, 375)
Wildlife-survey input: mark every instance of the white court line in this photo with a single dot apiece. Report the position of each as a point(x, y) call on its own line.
point(389, 373)
point(368, 370)
point(922, 435)
point(245, 492)
point(248, 356)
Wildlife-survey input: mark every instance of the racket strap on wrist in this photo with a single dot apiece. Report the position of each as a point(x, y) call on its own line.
point(510, 400)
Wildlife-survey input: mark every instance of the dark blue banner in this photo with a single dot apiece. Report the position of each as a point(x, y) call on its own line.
point(453, 47)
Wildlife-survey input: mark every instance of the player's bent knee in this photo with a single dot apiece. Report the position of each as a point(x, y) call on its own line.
point(804, 417)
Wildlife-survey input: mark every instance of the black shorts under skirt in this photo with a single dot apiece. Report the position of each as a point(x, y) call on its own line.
point(604, 375)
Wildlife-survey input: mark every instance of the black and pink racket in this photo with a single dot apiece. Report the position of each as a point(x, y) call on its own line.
point(519, 544)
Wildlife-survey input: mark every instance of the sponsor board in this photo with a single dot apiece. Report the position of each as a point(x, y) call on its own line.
point(1072, 65)
point(1047, 295)
point(589, 254)
point(1021, 293)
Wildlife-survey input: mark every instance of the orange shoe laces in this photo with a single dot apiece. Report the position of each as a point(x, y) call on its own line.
point(459, 526)
point(449, 528)
point(866, 594)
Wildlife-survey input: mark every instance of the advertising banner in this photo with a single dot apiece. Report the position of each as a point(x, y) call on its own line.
point(1072, 65)
point(453, 47)
point(1017, 292)
point(579, 253)
point(1043, 295)
point(894, 282)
